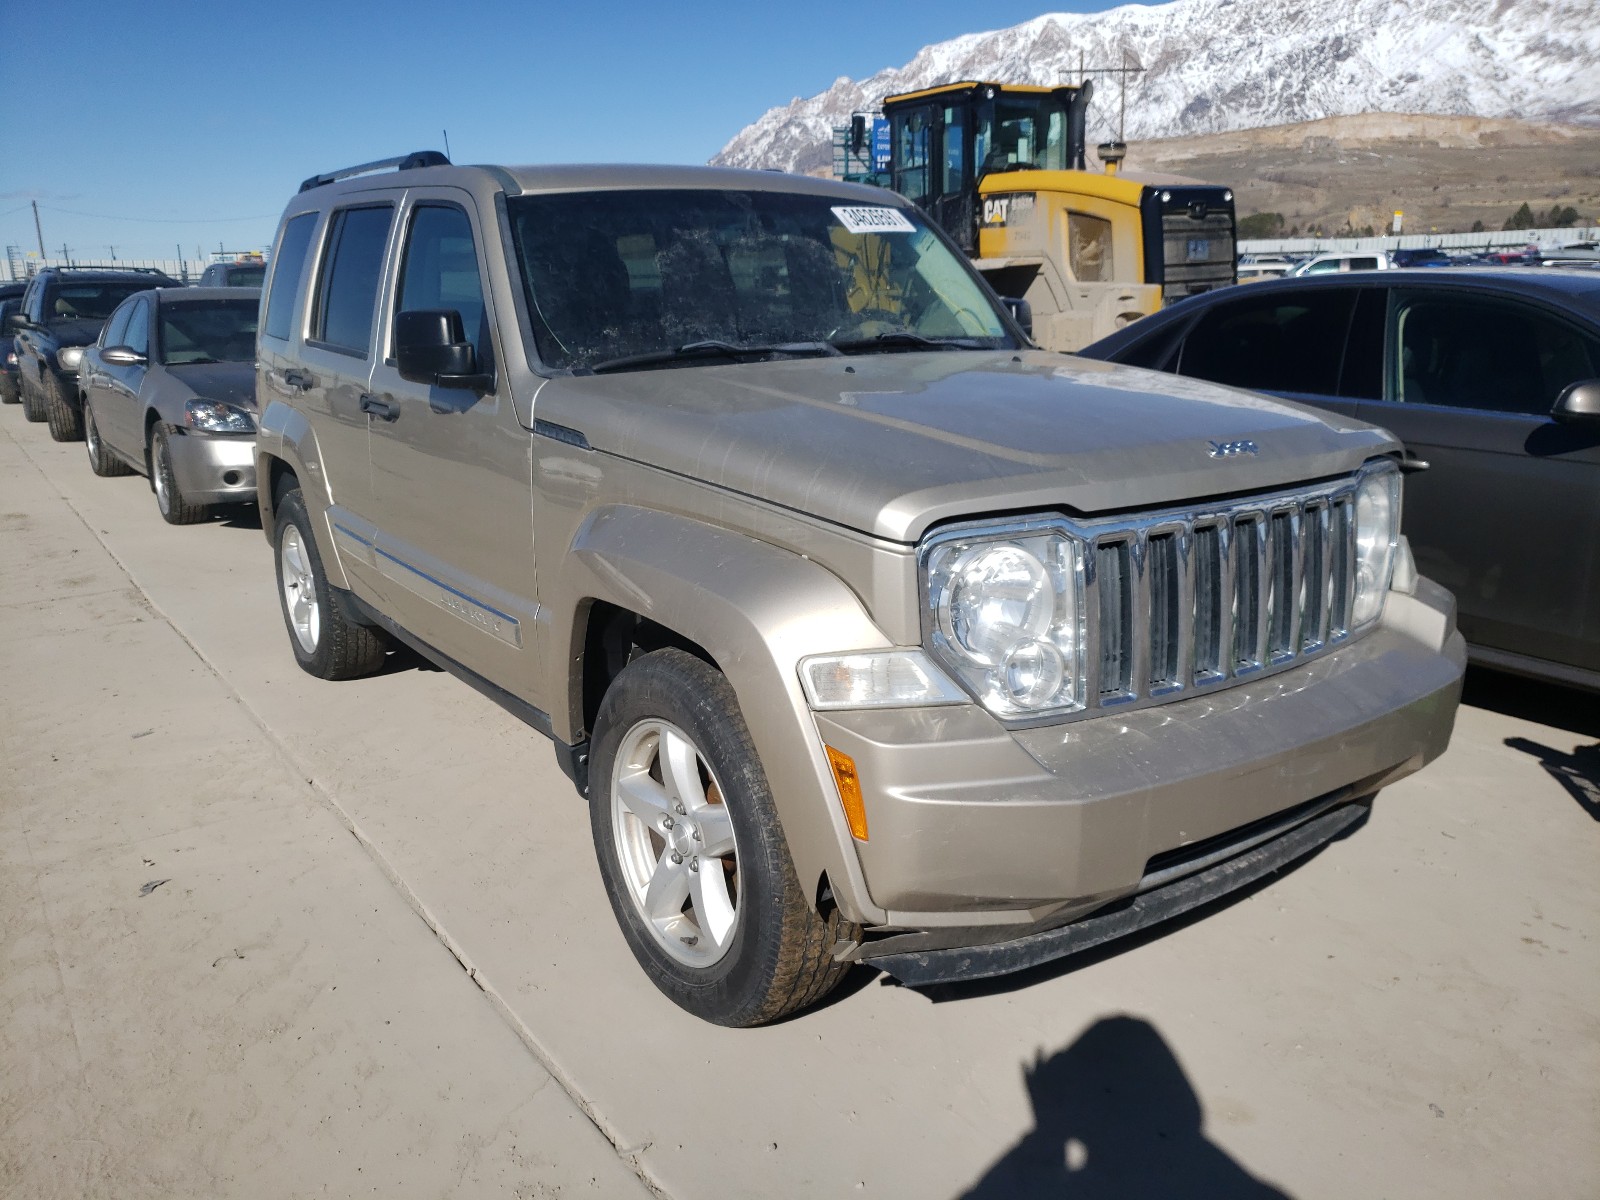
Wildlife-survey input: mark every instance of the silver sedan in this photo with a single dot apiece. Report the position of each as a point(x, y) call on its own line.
point(169, 392)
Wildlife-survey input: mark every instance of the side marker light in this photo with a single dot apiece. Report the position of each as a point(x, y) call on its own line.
point(844, 774)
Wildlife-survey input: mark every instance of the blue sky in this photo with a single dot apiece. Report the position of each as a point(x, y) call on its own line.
point(152, 124)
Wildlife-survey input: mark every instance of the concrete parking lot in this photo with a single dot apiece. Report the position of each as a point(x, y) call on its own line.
point(210, 988)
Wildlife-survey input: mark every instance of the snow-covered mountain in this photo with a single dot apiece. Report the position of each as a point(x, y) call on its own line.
point(1216, 65)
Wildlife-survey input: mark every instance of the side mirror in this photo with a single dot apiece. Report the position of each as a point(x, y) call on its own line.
point(1579, 402)
point(18, 321)
point(431, 347)
point(1021, 312)
point(123, 356)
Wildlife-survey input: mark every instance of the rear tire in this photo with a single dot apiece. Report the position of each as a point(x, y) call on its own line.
point(65, 418)
point(326, 643)
point(101, 461)
point(170, 501)
point(677, 787)
point(10, 389)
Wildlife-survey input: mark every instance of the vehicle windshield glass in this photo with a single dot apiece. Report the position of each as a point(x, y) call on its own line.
point(612, 275)
point(90, 301)
point(246, 276)
point(1025, 131)
point(195, 331)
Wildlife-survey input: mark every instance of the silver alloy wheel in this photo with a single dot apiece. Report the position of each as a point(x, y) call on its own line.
point(159, 466)
point(675, 843)
point(299, 589)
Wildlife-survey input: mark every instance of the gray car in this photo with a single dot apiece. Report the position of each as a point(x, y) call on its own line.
point(1491, 377)
point(867, 632)
point(169, 392)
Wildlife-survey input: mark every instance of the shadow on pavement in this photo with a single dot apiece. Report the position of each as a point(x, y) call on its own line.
point(1533, 700)
point(1115, 1117)
point(1578, 772)
point(241, 516)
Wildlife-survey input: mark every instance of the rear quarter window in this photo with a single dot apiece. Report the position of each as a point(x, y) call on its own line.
point(289, 268)
point(1279, 343)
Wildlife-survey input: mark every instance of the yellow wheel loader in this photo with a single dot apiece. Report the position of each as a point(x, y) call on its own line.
point(1002, 168)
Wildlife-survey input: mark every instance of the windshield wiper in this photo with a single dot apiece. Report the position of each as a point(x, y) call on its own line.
point(194, 362)
point(709, 348)
point(897, 338)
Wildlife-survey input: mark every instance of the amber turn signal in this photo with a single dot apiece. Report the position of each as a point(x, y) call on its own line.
point(844, 774)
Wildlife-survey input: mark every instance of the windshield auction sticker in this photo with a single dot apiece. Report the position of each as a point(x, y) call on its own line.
point(873, 219)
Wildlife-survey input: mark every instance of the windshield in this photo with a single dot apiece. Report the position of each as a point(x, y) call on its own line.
point(619, 275)
point(196, 331)
point(89, 301)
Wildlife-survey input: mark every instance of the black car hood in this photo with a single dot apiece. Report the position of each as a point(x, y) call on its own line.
point(231, 382)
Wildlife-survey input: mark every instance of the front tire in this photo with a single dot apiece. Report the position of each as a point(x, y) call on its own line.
point(692, 854)
point(101, 461)
point(325, 642)
point(32, 402)
point(66, 421)
point(10, 388)
point(175, 508)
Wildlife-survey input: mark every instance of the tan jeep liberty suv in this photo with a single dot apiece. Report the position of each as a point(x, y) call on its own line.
point(869, 632)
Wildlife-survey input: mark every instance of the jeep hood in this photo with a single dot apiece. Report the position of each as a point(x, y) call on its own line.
point(74, 331)
point(891, 444)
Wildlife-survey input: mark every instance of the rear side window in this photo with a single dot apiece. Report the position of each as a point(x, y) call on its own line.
point(1362, 378)
point(289, 269)
point(347, 295)
point(1277, 343)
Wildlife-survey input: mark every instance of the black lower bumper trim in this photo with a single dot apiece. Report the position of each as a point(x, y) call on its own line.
point(1129, 916)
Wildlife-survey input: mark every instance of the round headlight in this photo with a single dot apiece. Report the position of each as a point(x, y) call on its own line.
point(69, 357)
point(1006, 617)
point(998, 596)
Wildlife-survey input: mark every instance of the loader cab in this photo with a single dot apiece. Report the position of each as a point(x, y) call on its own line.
point(945, 140)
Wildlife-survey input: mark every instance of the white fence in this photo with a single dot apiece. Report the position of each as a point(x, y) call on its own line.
point(187, 270)
point(1545, 239)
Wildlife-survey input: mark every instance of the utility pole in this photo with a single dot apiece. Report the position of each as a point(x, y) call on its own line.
point(38, 230)
point(66, 254)
point(113, 250)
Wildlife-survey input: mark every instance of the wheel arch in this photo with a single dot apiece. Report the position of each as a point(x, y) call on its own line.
point(750, 609)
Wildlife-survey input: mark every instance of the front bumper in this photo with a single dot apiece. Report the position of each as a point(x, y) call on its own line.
point(215, 468)
point(978, 834)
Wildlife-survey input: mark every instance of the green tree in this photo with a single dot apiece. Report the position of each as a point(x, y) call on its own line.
point(1521, 219)
point(1261, 225)
point(1477, 227)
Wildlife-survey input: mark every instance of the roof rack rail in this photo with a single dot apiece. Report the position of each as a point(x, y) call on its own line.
point(405, 162)
point(121, 268)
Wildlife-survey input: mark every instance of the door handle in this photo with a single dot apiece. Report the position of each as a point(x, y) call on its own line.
point(298, 380)
point(388, 410)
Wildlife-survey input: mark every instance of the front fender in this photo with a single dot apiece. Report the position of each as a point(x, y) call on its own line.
point(756, 610)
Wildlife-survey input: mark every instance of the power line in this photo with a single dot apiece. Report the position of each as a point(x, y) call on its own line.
point(158, 220)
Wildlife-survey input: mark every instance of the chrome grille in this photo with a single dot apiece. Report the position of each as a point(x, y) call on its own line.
point(1190, 600)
